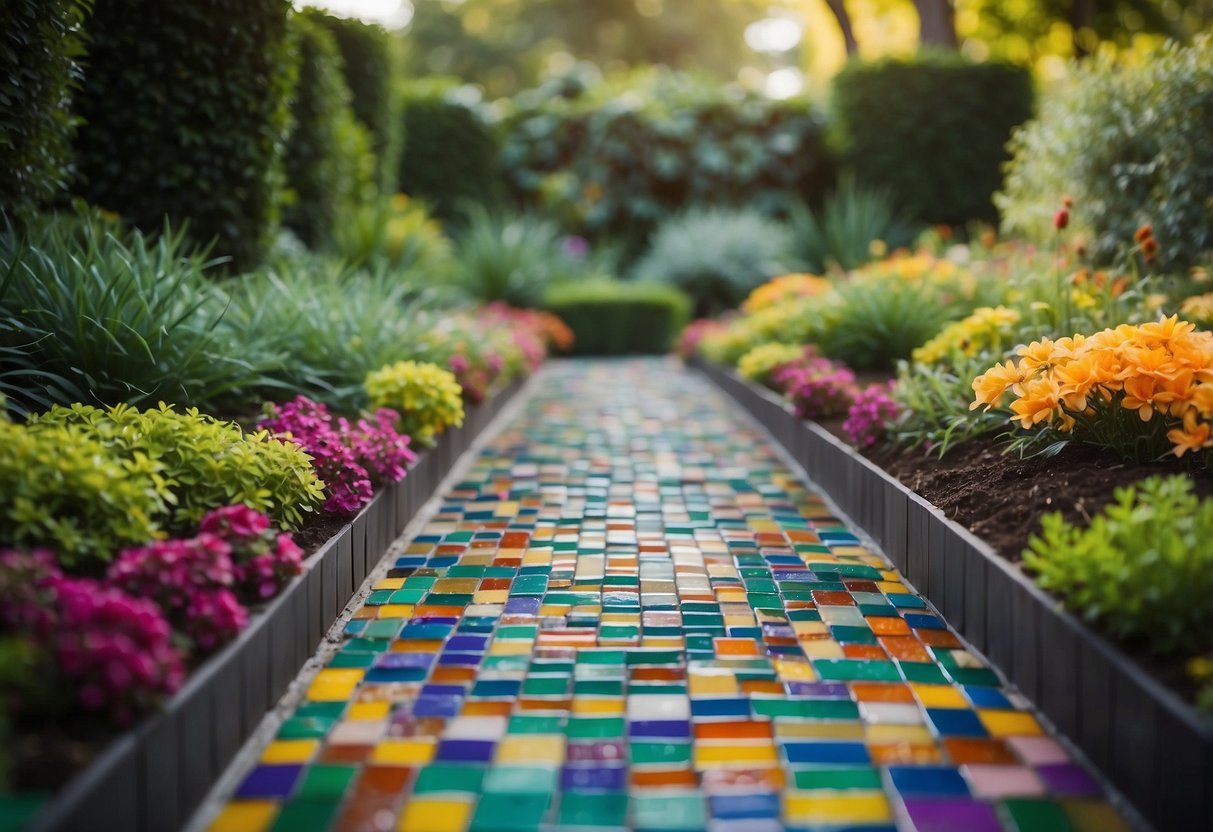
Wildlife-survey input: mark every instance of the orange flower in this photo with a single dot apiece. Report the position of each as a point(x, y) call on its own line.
point(1076, 380)
point(1193, 436)
point(1139, 396)
point(1038, 402)
point(994, 382)
point(1143, 233)
point(1202, 399)
point(1036, 354)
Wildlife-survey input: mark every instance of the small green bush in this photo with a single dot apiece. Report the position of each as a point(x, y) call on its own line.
point(842, 232)
point(618, 158)
point(40, 49)
point(427, 397)
point(1143, 569)
point(611, 317)
point(372, 62)
point(62, 488)
point(879, 322)
point(1129, 145)
point(717, 256)
point(330, 167)
point(933, 130)
point(451, 157)
point(186, 116)
point(200, 463)
point(509, 258)
point(88, 313)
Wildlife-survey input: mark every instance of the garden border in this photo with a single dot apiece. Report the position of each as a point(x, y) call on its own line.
point(155, 775)
point(1151, 744)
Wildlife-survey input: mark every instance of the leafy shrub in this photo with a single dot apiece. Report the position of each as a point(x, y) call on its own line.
point(427, 397)
point(1138, 391)
point(39, 53)
point(716, 255)
point(200, 462)
point(185, 109)
point(330, 167)
point(509, 258)
point(62, 487)
point(611, 317)
point(88, 315)
point(854, 222)
point(619, 159)
point(759, 363)
point(394, 233)
point(328, 327)
point(1143, 569)
point(932, 130)
point(343, 455)
point(371, 60)
point(1130, 145)
point(452, 155)
point(795, 321)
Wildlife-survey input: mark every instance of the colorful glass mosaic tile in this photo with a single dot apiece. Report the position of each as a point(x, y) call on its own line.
point(630, 614)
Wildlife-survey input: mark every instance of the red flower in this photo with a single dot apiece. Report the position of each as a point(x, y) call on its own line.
point(1061, 219)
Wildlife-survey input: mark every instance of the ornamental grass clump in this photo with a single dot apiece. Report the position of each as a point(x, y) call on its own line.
point(1142, 570)
point(427, 397)
point(1136, 390)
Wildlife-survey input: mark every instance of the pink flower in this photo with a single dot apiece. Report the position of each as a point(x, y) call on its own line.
point(817, 387)
point(237, 521)
point(870, 416)
point(24, 577)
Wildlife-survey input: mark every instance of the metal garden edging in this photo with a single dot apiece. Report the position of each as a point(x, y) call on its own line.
point(152, 777)
point(1151, 744)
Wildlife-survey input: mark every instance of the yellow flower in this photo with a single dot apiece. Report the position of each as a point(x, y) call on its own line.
point(1038, 402)
point(1036, 354)
point(758, 363)
point(783, 288)
point(994, 382)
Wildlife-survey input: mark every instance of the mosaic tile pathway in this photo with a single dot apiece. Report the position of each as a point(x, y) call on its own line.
point(631, 615)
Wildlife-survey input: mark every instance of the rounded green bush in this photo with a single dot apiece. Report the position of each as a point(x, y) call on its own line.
point(612, 317)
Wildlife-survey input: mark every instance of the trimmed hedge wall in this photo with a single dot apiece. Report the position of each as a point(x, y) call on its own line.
point(617, 160)
point(933, 130)
point(186, 117)
point(612, 317)
point(40, 44)
point(451, 156)
point(329, 163)
point(372, 63)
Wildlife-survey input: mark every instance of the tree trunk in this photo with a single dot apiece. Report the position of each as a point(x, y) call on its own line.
point(936, 24)
point(839, 8)
point(1082, 16)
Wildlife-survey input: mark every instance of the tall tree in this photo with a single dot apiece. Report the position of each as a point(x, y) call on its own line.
point(936, 23)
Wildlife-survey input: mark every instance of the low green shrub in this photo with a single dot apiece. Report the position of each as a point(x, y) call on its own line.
point(716, 255)
point(617, 159)
point(198, 462)
point(88, 313)
point(610, 317)
point(186, 116)
point(1142, 571)
point(371, 60)
point(1129, 145)
point(452, 156)
point(40, 50)
point(932, 129)
point(394, 233)
point(330, 167)
point(511, 258)
point(854, 225)
point(63, 488)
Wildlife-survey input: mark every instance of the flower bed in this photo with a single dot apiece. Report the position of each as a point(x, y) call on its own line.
point(154, 775)
point(1156, 748)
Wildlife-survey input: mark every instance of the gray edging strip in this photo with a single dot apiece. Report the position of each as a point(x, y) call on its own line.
point(155, 775)
point(1153, 746)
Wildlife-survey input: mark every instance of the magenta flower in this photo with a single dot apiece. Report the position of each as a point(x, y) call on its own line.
point(263, 560)
point(871, 415)
point(817, 387)
point(24, 578)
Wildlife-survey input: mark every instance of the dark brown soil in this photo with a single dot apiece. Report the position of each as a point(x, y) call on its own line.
point(1001, 498)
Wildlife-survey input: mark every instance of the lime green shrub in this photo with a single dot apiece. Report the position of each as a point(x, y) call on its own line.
point(200, 462)
point(932, 130)
point(330, 166)
point(611, 317)
point(40, 49)
point(427, 397)
point(452, 155)
point(372, 61)
point(185, 109)
point(758, 364)
point(1129, 145)
point(716, 255)
point(62, 487)
point(1142, 571)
